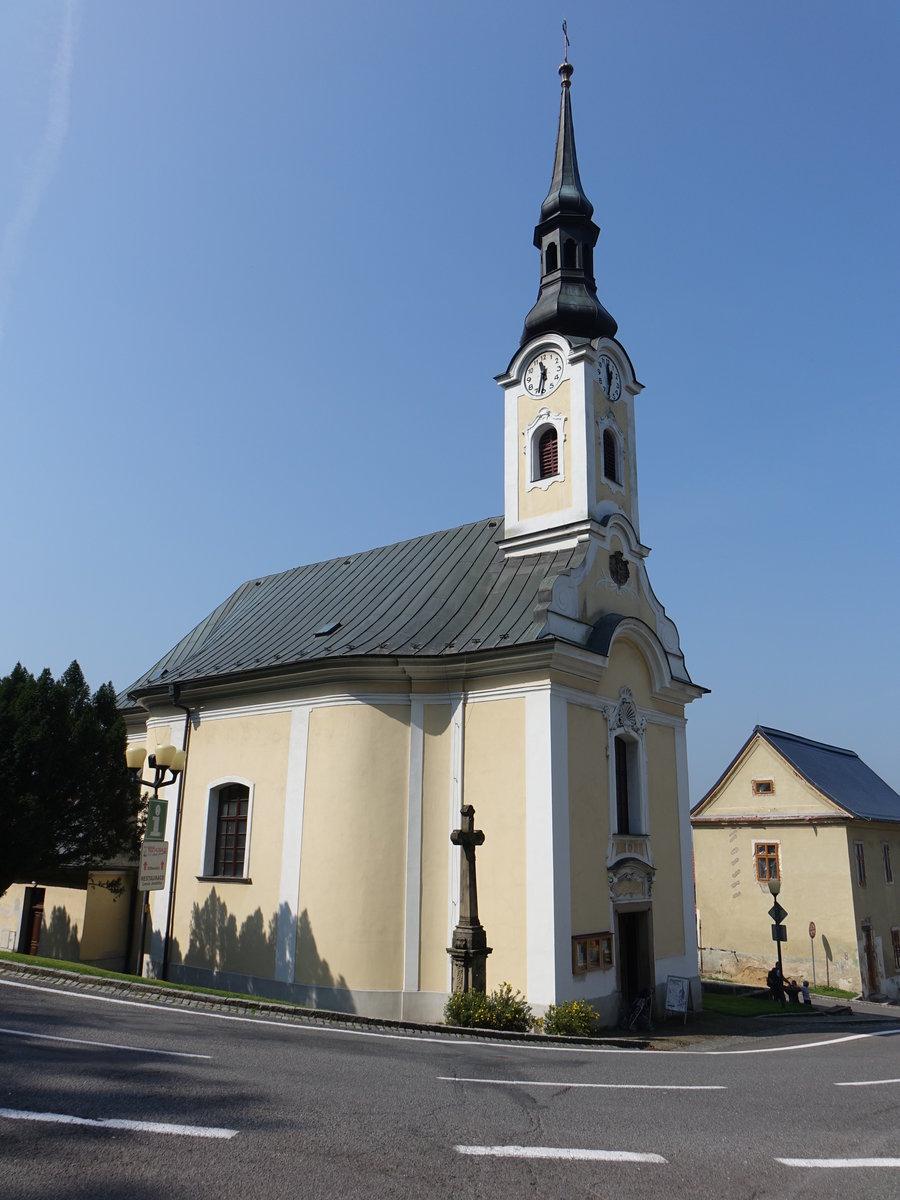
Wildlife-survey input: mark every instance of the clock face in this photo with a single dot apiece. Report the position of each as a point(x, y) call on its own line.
point(610, 380)
point(543, 373)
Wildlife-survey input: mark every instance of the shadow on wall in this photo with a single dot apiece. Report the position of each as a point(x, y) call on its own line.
point(59, 937)
point(216, 944)
point(310, 968)
point(253, 953)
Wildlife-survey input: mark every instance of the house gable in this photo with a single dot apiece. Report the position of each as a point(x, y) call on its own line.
point(735, 797)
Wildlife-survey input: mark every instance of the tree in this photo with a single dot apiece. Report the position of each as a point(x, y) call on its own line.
point(66, 797)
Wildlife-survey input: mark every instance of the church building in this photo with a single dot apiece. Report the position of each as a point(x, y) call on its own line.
point(336, 718)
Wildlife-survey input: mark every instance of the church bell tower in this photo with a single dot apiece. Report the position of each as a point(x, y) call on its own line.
point(569, 390)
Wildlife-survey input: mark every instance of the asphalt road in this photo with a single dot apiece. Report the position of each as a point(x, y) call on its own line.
point(103, 1097)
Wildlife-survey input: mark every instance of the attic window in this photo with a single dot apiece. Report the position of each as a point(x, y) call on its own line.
point(763, 787)
point(330, 627)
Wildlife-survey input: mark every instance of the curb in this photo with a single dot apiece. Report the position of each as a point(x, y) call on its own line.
point(178, 997)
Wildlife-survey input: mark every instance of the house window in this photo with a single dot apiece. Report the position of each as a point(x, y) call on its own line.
point(895, 942)
point(886, 859)
point(763, 787)
point(229, 812)
point(766, 855)
point(860, 865)
point(548, 454)
point(610, 456)
point(591, 952)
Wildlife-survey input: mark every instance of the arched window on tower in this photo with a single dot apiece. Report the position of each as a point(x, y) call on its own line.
point(548, 454)
point(611, 457)
point(587, 254)
point(552, 258)
point(569, 254)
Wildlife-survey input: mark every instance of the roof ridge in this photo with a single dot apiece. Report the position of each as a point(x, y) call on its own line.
point(796, 737)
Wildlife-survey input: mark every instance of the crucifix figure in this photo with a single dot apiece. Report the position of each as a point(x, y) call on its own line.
point(470, 949)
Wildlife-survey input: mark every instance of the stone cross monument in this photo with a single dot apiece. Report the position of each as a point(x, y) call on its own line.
point(470, 949)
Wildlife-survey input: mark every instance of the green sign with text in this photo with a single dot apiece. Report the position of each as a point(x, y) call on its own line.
point(156, 821)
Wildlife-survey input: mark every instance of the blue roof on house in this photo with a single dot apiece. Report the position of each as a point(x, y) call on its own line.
point(840, 775)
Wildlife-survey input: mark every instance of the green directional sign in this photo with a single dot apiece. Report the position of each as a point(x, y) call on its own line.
point(156, 821)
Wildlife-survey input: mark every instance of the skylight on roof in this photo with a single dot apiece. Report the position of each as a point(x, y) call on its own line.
point(329, 627)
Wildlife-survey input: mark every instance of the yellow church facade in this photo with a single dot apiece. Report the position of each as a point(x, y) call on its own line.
point(337, 717)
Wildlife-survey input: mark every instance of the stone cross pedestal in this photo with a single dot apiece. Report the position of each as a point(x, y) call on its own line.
point(470, 949)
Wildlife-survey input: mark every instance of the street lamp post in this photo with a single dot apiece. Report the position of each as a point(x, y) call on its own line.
point(167, 763)
point(779, 933)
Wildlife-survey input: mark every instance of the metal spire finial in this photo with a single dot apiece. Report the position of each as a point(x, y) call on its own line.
point(565, 42)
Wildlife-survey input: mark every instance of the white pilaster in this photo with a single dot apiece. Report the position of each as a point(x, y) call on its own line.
point(686, 844)
point(548, 882)
point(414, 847)
point(291, 846)
point(457, 714)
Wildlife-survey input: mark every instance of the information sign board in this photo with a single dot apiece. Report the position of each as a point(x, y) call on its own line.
point(678, 995)
point(156, 820)
point(152, 869)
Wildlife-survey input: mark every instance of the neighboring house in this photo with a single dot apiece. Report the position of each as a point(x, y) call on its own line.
point(337, 716)
point(80, 916)
point(817, 818)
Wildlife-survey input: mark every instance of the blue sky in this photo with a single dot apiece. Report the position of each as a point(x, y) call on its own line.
point(260, 263)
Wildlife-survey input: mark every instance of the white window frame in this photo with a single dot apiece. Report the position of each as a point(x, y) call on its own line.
point(532, 434)
point(208, 860)
point(623, 720)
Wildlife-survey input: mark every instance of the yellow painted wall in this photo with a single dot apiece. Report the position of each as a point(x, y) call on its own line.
point(878, 901)
point(353, 870)
point(433, 960)
point(665, 841)
point(63, 926)
point(734, 905)
point(628, 668)
point(494, 775)
point(227, 924)
point(588, 819)
point(538, 502)
point(104, 938)
point(11, 905)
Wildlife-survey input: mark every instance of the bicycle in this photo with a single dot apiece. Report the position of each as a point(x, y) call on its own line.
point(641, 1012)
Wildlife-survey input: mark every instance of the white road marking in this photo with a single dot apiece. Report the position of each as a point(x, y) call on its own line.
point(866, 1082)
point(49, 1037)
point(435, 1039)
point(634, 1087)
point(202, 1131)
point(558, 1152)
point(839, 1162)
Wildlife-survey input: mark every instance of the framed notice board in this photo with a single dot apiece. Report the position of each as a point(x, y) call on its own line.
point(678, 995)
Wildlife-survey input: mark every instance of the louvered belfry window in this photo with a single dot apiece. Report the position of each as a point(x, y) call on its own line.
point(231, 830)
point(610, 457)
point(548, 454)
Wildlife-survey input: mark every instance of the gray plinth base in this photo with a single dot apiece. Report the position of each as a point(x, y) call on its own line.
point(468, 955)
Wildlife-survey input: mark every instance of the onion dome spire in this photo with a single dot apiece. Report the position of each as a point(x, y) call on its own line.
point(565, 235)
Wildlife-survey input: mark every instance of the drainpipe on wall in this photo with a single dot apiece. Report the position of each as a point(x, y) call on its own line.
point(174, 691)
